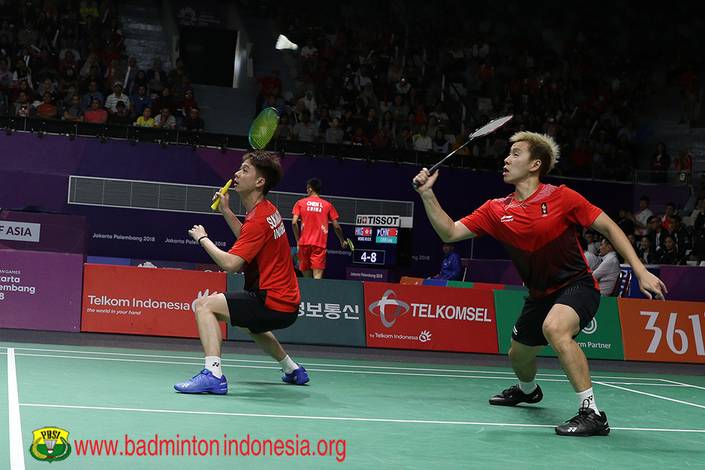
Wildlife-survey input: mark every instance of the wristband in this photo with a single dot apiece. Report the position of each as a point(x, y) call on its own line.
point(201, 238)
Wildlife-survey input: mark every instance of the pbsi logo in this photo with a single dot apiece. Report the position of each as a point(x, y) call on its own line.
point(50, 444)
point(389, 309)
point(544, 209)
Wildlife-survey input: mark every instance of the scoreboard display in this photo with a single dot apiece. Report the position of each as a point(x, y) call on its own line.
point(375, 245)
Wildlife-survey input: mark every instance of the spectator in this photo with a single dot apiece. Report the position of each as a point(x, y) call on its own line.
point(666, 218)
point(74, 112)
point(22, 106)
point(146, 119)
point(121, 116)
point(47, 110)
point(165, 120)
point(187, 103)
point(156, 77)
point(660, 163)
point(593, 261)
point(96, 114)
point(193, 121)
point(625, 221)
point(141, 100)
point(422, 142)
point(334, 134)
point(440, 144)
point(593, 246)
point(164, 100)
point(646, 253)
point(112, 100)
point(680, 235)
point(451, 267)
point(655, 233)
point(670, 253)
point(305, 131)
point(284, 129)
point(93, 94)
point(642, 215)
point(698, 253)
point(607, 272)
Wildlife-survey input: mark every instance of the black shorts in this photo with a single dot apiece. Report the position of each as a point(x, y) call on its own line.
point(581, 295)
point(247, 310)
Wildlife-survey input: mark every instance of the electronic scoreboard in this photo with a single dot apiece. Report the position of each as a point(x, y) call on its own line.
point(377, 240)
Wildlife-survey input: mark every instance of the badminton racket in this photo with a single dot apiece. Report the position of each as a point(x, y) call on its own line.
point(263, 128)
point(488, 128)
point(261, 132)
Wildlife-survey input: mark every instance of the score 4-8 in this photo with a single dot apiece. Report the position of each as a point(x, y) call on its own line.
point(369, 257)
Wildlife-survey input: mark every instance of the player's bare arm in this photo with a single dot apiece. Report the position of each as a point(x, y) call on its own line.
point(649, 284)
point(339, 233)
point(295, 227)
point(229, 216)
point(448, 230)
point(227, 261)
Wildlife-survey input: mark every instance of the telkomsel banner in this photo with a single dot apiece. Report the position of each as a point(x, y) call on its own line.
point(40, 290)
point(144, 301)
point(330, 312)
point(666, 331)
point(430, 317)
point(600, 339)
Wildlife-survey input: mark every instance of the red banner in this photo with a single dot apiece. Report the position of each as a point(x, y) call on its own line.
point(429, 317)
point(665, 331)
point(145, 301)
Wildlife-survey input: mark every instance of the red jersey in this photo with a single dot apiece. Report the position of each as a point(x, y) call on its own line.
point(264, 246)
point(315, 213)
point(540, 235)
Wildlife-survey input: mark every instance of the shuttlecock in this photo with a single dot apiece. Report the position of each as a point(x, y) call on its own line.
point(284, 43)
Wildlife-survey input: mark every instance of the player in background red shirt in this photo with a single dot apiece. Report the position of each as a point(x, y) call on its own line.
point(536, 223)
point(271, 297)
point(311, 240)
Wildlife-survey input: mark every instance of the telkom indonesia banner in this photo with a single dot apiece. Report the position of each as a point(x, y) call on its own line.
point(145, 301)
point(665, 331)
point(428, 317)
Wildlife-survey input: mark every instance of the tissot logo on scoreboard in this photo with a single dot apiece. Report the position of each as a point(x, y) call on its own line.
point(378, 220)
point(430, 317)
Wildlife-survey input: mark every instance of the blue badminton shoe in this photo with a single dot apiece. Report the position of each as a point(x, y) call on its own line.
point(204, 382)
point(297, 377)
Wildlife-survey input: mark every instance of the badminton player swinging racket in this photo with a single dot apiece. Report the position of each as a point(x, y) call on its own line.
point(536, 223)
point(271, 297)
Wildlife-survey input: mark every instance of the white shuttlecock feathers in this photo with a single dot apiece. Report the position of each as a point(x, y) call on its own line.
point(284, 43)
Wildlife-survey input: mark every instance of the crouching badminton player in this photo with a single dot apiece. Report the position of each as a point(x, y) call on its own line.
point(271, 297)
point(536, 224)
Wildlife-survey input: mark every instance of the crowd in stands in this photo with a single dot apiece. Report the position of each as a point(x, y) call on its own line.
point(385, 75)
point(675, 237)
point(66, 60)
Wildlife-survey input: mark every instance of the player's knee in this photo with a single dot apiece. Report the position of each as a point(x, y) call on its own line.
point(555, 333)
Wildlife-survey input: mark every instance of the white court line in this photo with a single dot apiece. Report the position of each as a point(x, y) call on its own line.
point(652, 395)
point(13, 404)
point(683, 384)
point(371, 372)
point(362, 366)
point(337, 418)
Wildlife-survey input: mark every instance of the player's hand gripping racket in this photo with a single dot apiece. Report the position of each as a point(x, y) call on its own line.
point(261, 132)
point(488, 128)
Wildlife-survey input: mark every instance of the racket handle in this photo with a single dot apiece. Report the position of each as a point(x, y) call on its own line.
point(223, 190)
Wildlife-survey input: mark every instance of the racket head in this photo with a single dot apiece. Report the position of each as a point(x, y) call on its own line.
point(263, 127)
point(491, 126)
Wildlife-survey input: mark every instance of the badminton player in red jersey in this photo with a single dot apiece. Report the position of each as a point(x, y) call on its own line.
point(536, 224)
point(314, 213)
point(271, 297)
